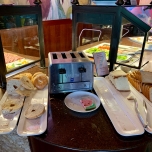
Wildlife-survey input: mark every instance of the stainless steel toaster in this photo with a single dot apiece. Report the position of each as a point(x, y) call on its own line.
point(69, 71)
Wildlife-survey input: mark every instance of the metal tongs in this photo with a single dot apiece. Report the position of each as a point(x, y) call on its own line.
point(144, 122)
point(139, 115)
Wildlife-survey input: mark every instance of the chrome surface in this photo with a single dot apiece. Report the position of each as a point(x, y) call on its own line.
point(139, 114)
point(69, 72)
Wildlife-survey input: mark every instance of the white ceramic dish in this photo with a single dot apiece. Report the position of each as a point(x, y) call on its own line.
point(30, 127)
point(118, 108)
point(72, 101)
point(8, 122)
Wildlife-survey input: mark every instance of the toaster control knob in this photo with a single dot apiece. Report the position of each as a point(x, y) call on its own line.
point(82, 69)
point(62, 71)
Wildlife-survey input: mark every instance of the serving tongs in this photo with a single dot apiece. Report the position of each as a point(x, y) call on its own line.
point(143, 122)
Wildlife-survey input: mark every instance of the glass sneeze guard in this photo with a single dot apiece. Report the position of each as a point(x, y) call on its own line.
point(114, 18)
point(22, 42)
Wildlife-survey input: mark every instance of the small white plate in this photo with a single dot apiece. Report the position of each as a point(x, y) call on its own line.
point(72, 101)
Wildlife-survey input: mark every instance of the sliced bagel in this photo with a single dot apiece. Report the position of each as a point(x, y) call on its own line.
point(36, 74)
point(40, 81)
point(11, 106)
point(27, 83)
point(12, 85)
point(18, 76)
point(34, 111)
point(22, 91)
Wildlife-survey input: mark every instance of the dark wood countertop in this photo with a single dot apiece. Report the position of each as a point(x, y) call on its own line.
point(88, 132)
point(71, 131)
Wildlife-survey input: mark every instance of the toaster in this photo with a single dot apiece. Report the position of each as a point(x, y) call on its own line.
point(69, 71)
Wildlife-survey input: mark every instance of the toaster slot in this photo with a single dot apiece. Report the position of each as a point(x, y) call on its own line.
point(54, 56)
point(73, 55)
point(64, 56)
point(81, 54)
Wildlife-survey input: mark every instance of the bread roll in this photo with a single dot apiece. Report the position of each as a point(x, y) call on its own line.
point(135, 78)
point(147, 91)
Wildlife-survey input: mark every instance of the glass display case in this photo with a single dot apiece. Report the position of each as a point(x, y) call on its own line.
point(117, 25)
point(22, 42)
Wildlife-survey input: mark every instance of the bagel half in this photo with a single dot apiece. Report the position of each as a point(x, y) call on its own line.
point(18, 76)
point(40, 81)
point(27, 83)
point(11, 106)
point(34, 111)
point(12, 85)
point(22, 91)
point(35, 74)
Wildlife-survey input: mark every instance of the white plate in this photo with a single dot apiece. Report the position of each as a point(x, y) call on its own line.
point(72, 101)
point(8, 122)
point(27, 127)
point(123, 117)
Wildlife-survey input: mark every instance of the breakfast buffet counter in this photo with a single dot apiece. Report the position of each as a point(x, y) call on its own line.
point(94, 131)
point(73, 131)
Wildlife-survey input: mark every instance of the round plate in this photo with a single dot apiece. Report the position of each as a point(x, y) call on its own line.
point(72, 101)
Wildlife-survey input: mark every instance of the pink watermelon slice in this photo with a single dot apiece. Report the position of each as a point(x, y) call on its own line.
point(87, 103)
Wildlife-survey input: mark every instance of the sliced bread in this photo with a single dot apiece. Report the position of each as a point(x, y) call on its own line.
point(119, 80)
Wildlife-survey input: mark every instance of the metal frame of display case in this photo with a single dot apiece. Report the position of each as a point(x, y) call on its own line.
point(2, 67)
point(6, 10)
point(107, 15)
